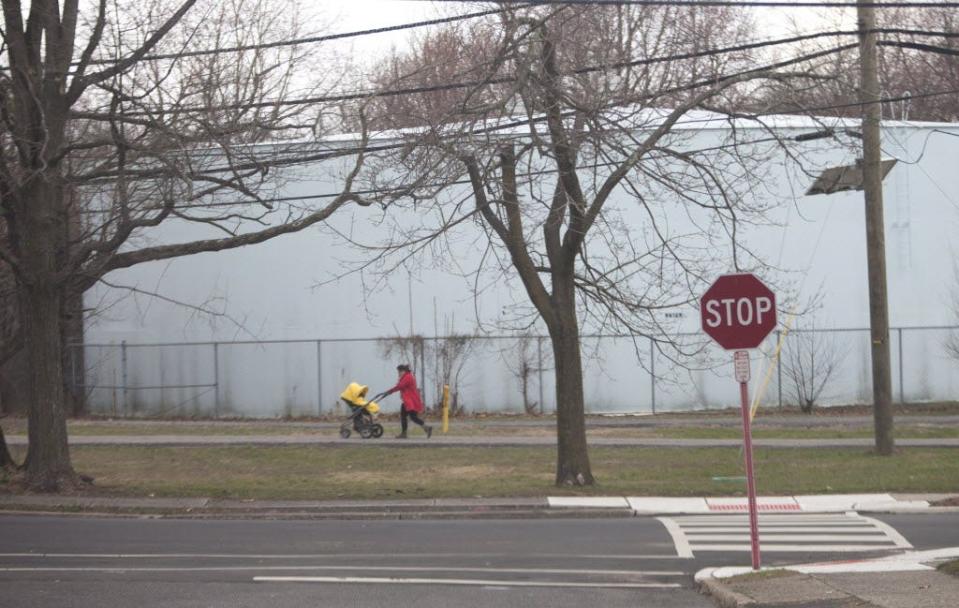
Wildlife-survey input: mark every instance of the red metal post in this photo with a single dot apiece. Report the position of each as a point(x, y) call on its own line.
point(750, 478)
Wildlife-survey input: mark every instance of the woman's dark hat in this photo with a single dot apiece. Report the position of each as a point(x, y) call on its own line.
point(402, 367)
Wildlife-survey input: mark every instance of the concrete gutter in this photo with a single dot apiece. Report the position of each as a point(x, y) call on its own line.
point(446, 508)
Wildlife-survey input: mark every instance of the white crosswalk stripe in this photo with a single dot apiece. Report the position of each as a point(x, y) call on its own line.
point(832, 533)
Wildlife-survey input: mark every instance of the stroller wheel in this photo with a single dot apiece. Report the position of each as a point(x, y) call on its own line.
point(345, 433)
point(366, 432)
point(377, 431)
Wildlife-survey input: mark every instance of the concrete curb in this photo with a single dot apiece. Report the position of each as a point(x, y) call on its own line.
point(445, 508)
point(723, 595)
point(205, 508)
point(319, 515)
point(770, 505)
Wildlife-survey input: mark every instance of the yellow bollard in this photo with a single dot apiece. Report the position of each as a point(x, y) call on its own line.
point(446, 408)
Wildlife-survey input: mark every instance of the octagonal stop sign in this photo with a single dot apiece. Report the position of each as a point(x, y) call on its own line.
point(738, 311)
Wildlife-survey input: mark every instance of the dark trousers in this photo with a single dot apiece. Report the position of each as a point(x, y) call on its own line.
point(404, 414)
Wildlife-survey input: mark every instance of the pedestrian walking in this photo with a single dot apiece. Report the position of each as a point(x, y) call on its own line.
point(412, 405)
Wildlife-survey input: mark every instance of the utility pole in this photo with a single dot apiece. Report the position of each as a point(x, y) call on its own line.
point(875, 231)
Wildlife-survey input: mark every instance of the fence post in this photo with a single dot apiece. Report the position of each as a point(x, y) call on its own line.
point(902, 387)
point(216, 379)
point(539, 368)
point(779, 366)
point(424, 380)
point(123, 375)
point(319, 377)
point(652, 372)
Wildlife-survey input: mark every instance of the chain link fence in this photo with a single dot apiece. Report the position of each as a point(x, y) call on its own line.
point(512, 374)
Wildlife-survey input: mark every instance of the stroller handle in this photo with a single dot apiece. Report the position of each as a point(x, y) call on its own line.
point(378, 396)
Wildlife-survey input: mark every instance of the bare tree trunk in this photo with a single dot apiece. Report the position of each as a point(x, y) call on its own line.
point(572, 461)
point(48, 459)
point(6, 460)
point(74, 399)
point(48, 467)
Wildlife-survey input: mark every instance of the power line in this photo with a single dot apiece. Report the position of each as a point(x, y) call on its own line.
point(917, 46)
point(369, 94)
point(732, 3)
point(682, 88)
point(407, 187)
point(852, 104)
point(298, 41)
point(526, 121)
point(548, 171)
point(314, 39)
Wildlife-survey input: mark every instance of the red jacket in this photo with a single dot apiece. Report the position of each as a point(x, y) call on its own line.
point(408, 393)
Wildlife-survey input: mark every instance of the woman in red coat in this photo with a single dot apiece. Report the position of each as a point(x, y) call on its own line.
point(412, 404)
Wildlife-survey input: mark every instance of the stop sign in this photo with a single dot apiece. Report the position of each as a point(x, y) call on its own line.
point(738, 311)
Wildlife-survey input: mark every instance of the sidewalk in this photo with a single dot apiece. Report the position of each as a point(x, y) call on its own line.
point(817, 503)
point(907, 580)
point(475, 440)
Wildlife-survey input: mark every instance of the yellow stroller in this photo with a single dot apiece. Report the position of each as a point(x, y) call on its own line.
point(362, 413)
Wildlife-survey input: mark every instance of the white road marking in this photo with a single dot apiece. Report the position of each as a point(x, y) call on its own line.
point(337, 556)
point(762, 528)
point(891, 532)
point(679, 539)
point(839, 533)
point(834, 518)
point(793, 548)
point(456, 581)
point(839, 521)
point(792, 538)
point(579, 571)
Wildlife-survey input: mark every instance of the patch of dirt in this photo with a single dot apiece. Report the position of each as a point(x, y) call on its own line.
point(761, 576)
point(435, 474)
point(952, 501)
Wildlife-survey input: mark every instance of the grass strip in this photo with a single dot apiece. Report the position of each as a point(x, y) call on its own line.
point(377, 472)
point(950, 567)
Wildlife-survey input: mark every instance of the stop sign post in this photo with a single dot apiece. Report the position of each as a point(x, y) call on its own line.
point(738, 311)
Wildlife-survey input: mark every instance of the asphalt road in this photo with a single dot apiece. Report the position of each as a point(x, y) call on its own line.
point(80, 562)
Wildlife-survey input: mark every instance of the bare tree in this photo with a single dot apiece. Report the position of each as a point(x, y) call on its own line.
point(534, 166)
point(951, 344)
point(951, 341)
point(119, 114)
point(810, 362)
point(450, 354)
point(918, 70)
point(410, 350)
point(523, 362)
point(453, 54)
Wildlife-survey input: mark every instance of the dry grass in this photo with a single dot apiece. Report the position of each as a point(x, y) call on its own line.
point(366, 471)
point(951, 567)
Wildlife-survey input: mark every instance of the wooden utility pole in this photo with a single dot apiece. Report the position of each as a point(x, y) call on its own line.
point(875, 231)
